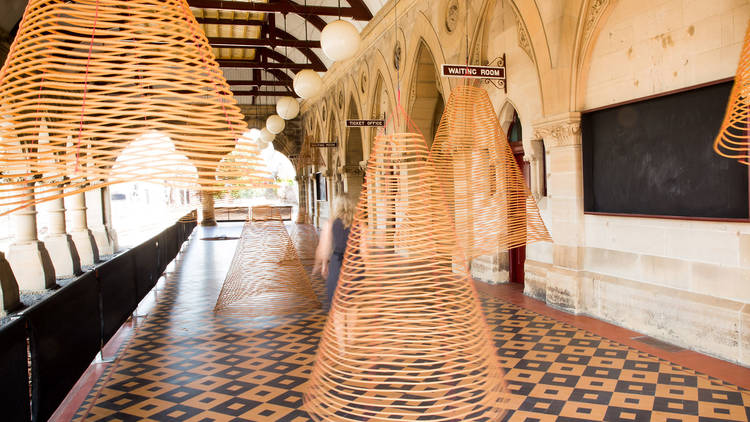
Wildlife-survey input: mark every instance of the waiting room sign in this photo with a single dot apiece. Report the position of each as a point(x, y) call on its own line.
point(493, 73)
point(477, 72)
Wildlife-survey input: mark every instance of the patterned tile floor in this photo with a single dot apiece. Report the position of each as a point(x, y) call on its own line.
point(186, 364)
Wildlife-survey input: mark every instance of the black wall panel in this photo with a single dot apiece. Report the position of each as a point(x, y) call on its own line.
point(65, 333)
point(14, 372)
point(146, 257)
point(118, 292)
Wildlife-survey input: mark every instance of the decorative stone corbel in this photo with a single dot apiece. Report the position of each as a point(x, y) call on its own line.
point(352, 170)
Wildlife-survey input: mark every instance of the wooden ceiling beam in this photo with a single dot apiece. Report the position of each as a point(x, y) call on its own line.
point(256, 64)
point(225, 21)
point(225, 42)
point(255, 92)
point(254, 82)
point(285, 6)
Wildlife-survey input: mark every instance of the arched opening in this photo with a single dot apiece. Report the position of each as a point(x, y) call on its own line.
point(283, 172)
point(144, 205)
point(380, 106)
point(352, 170)
point(427, 105)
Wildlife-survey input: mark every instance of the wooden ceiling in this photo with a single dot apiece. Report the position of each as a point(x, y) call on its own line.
point(249, 36)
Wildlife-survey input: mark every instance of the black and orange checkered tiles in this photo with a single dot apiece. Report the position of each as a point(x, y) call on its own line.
point(185, 364)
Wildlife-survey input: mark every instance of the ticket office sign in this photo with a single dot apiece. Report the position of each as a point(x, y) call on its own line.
point(324, 144)
point(365, 123)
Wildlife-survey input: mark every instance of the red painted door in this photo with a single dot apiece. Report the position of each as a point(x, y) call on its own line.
point(517, 256)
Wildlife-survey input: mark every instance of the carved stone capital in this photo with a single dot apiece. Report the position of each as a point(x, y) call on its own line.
point(352, 170)
point(559, 131)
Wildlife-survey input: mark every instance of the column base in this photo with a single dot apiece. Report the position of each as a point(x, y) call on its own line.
point(104, 242)
point(10, 298)
point(560, 288)
point(208, 222)
point(32, 266)
point(88, 253)
point(491, 269)
point(64, 255)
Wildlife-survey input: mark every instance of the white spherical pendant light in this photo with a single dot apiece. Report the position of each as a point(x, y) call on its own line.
point(307, 83)
point(266, 136)
point(275, 124)
point(253, 134)
point(339, 40)
point(287, 108)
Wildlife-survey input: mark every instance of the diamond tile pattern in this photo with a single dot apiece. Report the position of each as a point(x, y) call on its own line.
point(186, 364)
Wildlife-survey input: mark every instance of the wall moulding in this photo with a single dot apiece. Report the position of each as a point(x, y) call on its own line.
point(595, 11)
point(524, 40)
point(560, 130)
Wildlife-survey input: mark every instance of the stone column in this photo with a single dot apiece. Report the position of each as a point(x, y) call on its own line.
point(563, 282)
point(353, 178)
point(207, 215)
point(534, 155)
point(95, 217)
point(59, 243)
point(79, 231)
point(302, 203)
point(28, 258)
point(107, 213)
point(9, 295)
point(310, 183)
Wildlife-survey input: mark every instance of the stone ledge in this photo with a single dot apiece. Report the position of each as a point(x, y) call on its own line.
point(714, 326)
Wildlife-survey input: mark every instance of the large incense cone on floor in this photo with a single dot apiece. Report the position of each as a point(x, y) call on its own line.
point(405, 338)
point(266, 276)
point(485, 190)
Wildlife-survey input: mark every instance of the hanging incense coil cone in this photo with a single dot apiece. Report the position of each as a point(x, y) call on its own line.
point(405, 338)
point(266, 276)
point(486, 193)
point(733, 140)
point(89, 81)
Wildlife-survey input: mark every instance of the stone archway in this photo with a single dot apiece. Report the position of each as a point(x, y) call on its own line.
point(425, 98)
point(381, 106)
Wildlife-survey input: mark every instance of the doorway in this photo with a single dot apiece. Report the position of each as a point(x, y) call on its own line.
point(517, 256)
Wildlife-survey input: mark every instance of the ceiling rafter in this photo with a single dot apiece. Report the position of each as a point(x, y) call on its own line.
point(271, 33)
point(275, 63)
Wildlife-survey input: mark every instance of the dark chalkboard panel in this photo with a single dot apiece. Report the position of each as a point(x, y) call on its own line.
point(655, 157)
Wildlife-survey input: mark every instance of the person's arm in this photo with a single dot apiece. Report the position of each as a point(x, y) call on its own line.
point(324, 250)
